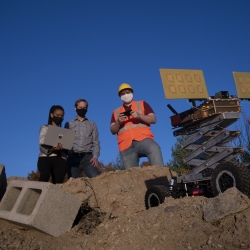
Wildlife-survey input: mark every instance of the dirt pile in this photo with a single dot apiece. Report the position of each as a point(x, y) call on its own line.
point(115, 218)
point(120, 192)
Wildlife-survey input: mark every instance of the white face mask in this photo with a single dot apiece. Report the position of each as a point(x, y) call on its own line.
point(127, 98)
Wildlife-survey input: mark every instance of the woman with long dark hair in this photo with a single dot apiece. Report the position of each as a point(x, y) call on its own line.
point(52, 160)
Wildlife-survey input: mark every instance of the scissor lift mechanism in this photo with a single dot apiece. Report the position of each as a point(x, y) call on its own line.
point(207, 142)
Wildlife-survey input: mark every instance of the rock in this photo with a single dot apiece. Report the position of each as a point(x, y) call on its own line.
point(196, 225)
point(171, 208)
point(230, 202)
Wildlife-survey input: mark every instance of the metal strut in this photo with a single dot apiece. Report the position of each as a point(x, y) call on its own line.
point(207, 143)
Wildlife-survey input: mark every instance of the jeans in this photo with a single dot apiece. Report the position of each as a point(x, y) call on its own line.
point(146, 147)
point(79, 164)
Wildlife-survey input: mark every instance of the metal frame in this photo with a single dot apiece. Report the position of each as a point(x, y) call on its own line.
point(207, 142)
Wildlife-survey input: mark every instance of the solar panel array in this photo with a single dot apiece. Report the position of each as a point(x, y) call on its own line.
point(242, 84)
point(187, 84)
point(190, 84)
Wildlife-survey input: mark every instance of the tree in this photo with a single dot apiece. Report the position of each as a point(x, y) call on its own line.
point(118, 163)
point(34, 176)
point(244, 139)
point(112, 166)
point(178, 153)
point(144, 164)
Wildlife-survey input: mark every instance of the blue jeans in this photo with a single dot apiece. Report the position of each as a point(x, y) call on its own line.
point(79, 164)
point(146, 147)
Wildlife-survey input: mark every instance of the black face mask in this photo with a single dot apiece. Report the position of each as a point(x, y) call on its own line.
point(81, 112)
point(57, 120)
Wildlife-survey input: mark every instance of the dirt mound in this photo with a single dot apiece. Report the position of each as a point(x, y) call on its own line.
point(113, 216)
point(119, 192)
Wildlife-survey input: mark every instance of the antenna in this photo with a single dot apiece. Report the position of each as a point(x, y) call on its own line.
point(172, 109)
point(191, 85)
point(242, 84)
point(184, 84)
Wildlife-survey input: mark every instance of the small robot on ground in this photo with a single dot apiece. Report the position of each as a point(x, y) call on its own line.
point(213, 168)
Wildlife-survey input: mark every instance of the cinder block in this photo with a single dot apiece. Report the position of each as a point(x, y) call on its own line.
point(3, 181)
point(40, 205)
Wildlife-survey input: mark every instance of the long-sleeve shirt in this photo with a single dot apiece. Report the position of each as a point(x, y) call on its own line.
point(86, 136)
point(44, 148)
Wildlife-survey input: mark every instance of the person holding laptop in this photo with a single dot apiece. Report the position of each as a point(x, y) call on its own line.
point(52, 159)
point(86, 147)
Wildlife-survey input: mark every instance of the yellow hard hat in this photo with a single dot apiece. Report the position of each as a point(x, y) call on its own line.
point(124, 86)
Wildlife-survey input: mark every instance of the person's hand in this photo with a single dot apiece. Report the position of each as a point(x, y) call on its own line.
point(94, 162)
point(58, 146)
point(121, 118)
point(248, 121)
point(135, 114)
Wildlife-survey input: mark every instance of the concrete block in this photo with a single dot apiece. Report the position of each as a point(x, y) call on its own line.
point(3, 181)
point(39, 205)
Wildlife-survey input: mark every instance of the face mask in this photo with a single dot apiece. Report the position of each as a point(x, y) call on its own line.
point(81, 112)
point(127, 97)
point(57, 120)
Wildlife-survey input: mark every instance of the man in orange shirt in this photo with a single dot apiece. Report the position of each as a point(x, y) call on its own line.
point(131, 122)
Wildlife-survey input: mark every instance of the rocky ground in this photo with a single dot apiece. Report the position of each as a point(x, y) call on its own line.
point(115, 218)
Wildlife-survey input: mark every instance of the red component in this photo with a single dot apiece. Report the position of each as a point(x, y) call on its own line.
point(180, 119)
point(175, 120)
point(198, 191)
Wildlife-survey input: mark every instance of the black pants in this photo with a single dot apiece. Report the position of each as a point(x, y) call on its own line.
point(55, 166)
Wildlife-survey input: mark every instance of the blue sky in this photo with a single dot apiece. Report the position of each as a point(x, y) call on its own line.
point(54, 52)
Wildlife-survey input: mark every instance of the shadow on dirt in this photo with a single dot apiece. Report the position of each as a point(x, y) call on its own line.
point(87, 219)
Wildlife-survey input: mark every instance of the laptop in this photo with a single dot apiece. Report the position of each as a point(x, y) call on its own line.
point(57, 134)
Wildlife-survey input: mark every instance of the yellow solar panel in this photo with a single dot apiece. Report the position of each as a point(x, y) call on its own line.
point(242, 84)
point(184, 84)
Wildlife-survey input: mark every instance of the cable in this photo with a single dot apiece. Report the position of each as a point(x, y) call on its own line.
point(89, 185)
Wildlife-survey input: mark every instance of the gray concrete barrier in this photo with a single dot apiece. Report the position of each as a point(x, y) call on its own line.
point(39, 205)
